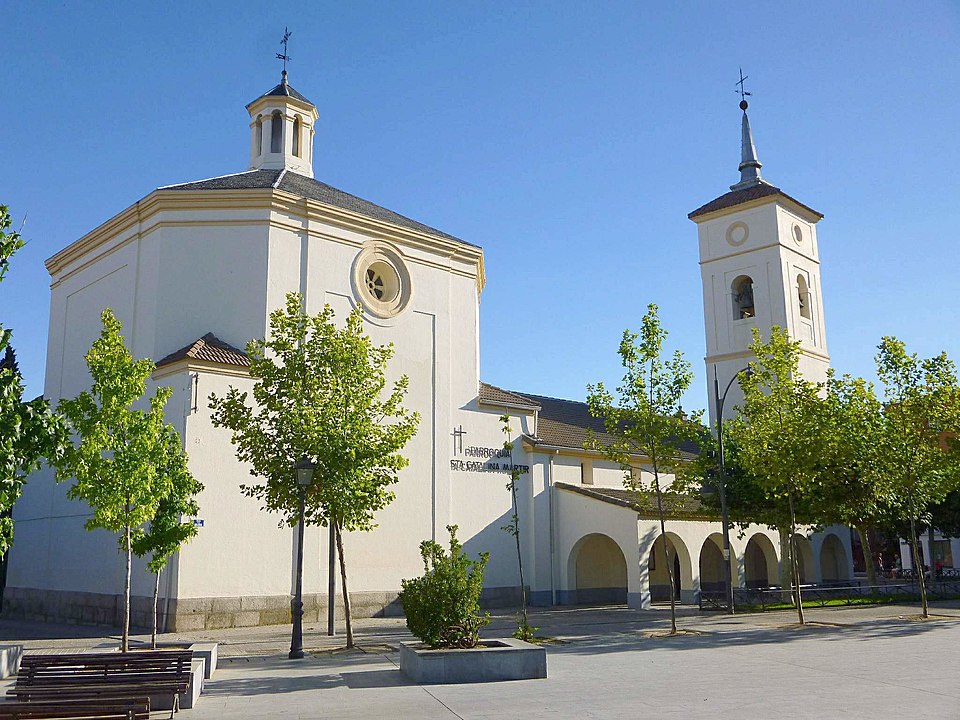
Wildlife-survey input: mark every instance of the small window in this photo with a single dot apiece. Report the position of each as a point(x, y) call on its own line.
point(259, 135)
point(296, 136)
point(803, 296)
point(743, 298)
point(276, 132)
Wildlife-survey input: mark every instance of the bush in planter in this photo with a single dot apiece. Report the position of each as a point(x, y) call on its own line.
point(442, 606)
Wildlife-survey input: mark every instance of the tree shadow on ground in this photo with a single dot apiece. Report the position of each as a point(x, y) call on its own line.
point(637, 639)
point(17, 630)
point(266, 675)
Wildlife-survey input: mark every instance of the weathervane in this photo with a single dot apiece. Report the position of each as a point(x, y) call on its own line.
point(743, 93)
point(283, 56)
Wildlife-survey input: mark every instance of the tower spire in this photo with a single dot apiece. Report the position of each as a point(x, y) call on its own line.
point(749, 163)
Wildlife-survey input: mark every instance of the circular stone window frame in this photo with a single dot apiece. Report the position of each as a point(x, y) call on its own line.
point(797, 233)
point(731, 231)
point(385, 259)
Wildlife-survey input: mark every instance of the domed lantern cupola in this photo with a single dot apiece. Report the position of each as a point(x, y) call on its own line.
point(281, 129)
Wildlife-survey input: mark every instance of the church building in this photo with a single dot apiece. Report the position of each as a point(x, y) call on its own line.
point(194, 270)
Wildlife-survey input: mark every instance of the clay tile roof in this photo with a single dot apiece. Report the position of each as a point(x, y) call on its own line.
point(209, 348)
point(565, 423)
point(643, 503)
point(306, 187)
point(492, 395)
point(738, 197)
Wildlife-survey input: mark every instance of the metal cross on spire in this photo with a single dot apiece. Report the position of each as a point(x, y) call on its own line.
point(283, 56)
point(743, 93)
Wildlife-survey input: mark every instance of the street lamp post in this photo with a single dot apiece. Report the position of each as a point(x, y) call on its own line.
point(304, 469)
point(724, 510)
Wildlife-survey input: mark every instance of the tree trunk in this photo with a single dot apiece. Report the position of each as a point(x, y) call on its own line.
point(666, 555)
point(516, 534)
point(346, 595)
point(917, 565)
point(793, 558)
point(864, 532)
point(125, 637)
point(786, 574)
point(156, 596)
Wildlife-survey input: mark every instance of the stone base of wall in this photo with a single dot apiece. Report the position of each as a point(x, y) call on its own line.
point(81, 608)
point(76, 608)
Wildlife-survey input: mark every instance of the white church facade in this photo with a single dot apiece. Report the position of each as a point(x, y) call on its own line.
point(194, 270)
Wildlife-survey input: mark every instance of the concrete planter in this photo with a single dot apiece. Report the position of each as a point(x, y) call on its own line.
point(491, 661)
point(10, 659)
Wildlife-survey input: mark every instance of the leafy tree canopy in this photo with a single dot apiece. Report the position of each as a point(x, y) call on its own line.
point(167, 532)
point(319, 391)
point(29, 431)
point(119, 451)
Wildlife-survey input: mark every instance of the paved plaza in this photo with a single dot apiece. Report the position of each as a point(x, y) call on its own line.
point(847, 663)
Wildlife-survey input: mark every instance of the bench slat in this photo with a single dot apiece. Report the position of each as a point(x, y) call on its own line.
point(132, 709)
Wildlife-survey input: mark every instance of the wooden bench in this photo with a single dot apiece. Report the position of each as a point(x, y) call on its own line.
point(104, 676)
point(87, 709)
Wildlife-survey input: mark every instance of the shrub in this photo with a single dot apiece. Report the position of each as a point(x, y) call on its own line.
point(442, 606)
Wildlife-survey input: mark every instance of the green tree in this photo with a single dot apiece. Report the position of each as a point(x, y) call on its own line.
point(524, 631)
point(320, 391)
point(779, 430)
point(748, 500)
point(919, 455)
point(645, 418)
point(850, 488)
point(167, 531)
point(118, 452)
point(28, 430)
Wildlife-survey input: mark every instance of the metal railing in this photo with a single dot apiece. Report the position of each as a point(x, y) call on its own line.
point(823, 594)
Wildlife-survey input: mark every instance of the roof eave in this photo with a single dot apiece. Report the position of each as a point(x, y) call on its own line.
point(805, 211)
point(512, 406)
point(304, 105)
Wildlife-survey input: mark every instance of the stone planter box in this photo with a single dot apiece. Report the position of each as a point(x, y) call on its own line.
point(491, 661)
point(10, 659)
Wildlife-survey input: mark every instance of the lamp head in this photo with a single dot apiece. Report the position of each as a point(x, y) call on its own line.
point(304, 468)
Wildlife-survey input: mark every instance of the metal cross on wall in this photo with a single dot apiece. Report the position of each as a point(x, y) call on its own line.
point(458, 433)
point(283, 56)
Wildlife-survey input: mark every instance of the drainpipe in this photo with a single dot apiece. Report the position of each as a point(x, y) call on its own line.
point(553, 564)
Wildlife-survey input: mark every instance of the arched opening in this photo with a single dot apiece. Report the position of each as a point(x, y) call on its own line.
point(296, 136)
point(598, 572)
point(659, 577)
point(759, 562)
point(712, 577)
point(259, 135)
point(804, 558)
point(742, 290)
point(276, 132)
point(803, 296)
point(833, 560)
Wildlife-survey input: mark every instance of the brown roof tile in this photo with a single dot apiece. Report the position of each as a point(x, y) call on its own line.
point(209, 348)
point(568, 423)
point(738, 197)
point(643, 503)
point(492, 395)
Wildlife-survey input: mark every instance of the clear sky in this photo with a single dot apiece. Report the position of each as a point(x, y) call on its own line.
point(569, 140)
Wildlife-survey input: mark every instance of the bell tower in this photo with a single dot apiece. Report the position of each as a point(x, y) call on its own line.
point(760, 267)
point(281, 130)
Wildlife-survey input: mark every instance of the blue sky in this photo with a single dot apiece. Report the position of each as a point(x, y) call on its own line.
point(570, 140)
